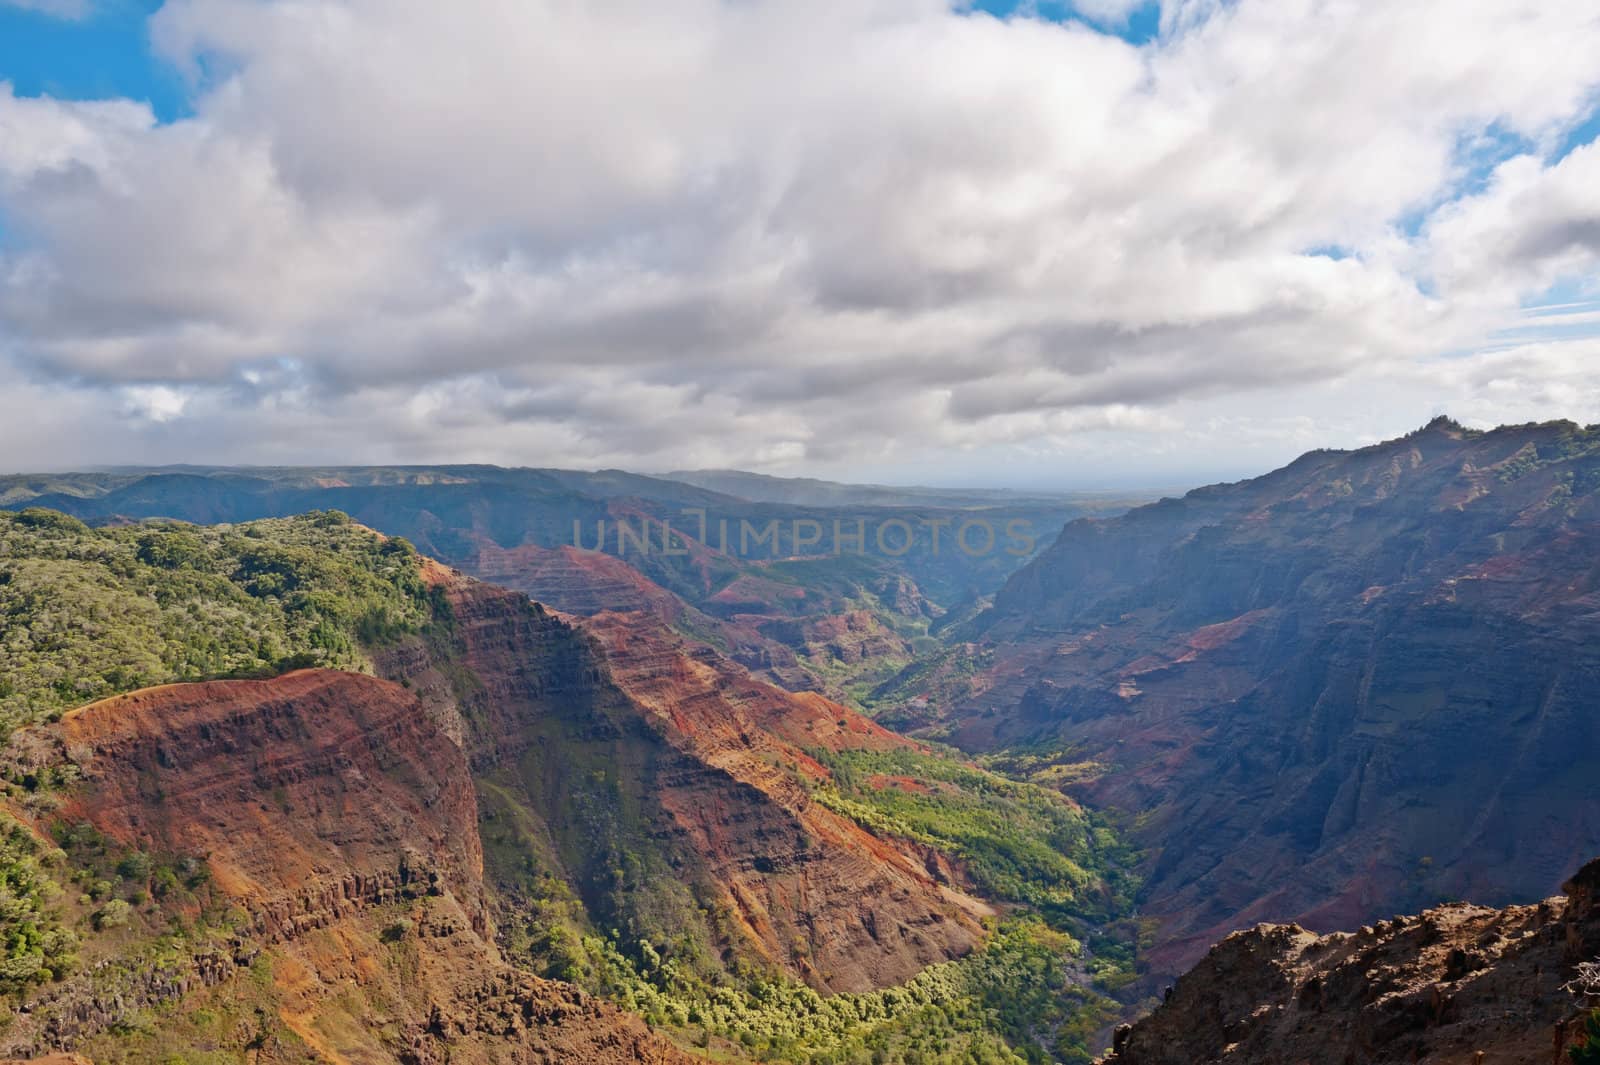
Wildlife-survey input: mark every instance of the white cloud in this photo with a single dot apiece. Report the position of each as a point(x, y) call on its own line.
point(155, 403)
point(839, 231)
point(67, 9)
point(1533, 225)
point(1113, 12)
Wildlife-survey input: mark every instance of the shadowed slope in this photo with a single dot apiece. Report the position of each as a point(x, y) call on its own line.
point(1362, 683)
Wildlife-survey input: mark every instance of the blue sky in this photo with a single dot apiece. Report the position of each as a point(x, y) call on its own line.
point(1140, 26)
point(104, 54)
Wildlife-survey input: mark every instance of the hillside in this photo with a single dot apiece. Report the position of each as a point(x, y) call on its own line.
point(86, 614)
point(1358, 685)
point(294, 863)
point(528, 815)
point(652, 783)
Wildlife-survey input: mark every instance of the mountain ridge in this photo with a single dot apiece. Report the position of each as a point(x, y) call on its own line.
point(1294, 681)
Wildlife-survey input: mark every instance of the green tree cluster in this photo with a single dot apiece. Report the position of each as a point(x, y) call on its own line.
point(34, 947)
point(90, 613)
point(1018, 1001)
point(1020, 842)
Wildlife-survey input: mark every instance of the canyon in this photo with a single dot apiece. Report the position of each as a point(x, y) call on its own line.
point(619, 806)
point(418, 858)
point(1359, 685)
point(328, 812)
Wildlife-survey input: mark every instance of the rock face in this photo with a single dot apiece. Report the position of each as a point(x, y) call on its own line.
point(578, 582)
point(1459, 985)
point(803, 635)
point(311, 795)
point(330, 811)
point(863, 911)
point(590, 582)
point(668, 788)
point(339, 821)
point(1361, 684)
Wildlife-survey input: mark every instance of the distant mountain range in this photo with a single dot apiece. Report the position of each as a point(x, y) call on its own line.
point(817, 596)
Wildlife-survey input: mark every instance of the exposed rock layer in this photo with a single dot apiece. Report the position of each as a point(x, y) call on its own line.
point(635, 753)
point(324, 804)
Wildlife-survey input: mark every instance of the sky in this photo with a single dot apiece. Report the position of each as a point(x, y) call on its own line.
point(1092, 244)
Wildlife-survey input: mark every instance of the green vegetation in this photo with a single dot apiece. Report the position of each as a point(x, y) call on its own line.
point(1588, 1052)
point(89, 613)
point(638, 936)
point(239, 1020)
point(1019, 1000)
point(609, 869)
point(1019, 842)
point(1046, 765)
point(1034, 994)
point(34, 946)
point(1563, 443)
point(86, 614)
point(936, 680)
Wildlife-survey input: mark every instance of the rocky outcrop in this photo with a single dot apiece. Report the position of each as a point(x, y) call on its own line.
point(866, 911)
point(1358, 685)
point(1459, 985)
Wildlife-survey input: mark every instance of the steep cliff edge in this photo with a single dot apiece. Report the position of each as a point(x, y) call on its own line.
point(531, 807)
point(822, 624)
point(327, 832)
point(308, 795)
point(667, 788)
point(1358, 685)
point(1459, 985)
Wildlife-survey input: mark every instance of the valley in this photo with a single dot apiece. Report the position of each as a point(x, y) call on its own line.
point(827, 807)
point(767, 532)
point(473, 825)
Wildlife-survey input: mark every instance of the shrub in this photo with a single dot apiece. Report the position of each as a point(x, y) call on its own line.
point(113, 914)
point(1588, 1052)
point(33, 944)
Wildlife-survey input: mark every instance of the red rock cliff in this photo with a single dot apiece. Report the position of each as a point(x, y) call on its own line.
point(328, 806)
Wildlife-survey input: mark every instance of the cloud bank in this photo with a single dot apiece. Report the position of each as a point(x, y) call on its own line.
point(830, 235)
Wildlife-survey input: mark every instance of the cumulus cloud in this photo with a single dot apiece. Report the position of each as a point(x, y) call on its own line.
point(1533, 225)
point(840, 231)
